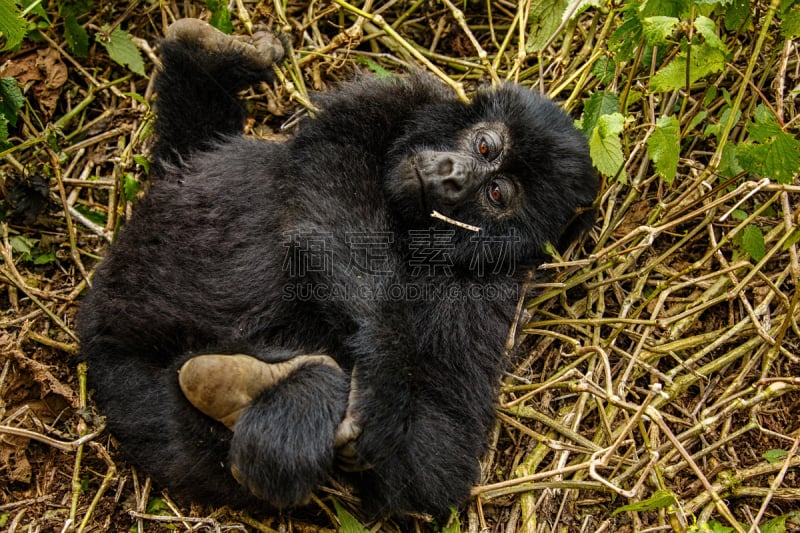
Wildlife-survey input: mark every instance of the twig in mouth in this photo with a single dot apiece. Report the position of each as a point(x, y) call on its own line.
point(463, 225)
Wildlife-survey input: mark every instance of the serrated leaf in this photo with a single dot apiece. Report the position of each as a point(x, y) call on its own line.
point(708, 29)
point(12, 26)
point(656, 30)
point(736, 14)
point(667, 8)
point(705, 60)
point(624, 39)
point(664, 147)
point(777, 159)
point(605, 146)
point(598, 104)
point(75, 35)
point(790, 23)
point(604, 68)
point(545, 18)
point(11, 99)
point(347, 522)
point(122, 50)
point(753, 242)
point(774, 456)
point(659, 500)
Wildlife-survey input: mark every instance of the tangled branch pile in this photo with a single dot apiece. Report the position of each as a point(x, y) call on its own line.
point(656, 376)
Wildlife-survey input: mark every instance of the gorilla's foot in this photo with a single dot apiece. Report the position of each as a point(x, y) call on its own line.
point(262, 49)
point(223, 386)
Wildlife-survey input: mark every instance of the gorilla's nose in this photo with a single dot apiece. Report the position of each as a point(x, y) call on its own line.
point(448, 177)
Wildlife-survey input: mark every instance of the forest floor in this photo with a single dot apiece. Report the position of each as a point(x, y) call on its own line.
point(655, 380)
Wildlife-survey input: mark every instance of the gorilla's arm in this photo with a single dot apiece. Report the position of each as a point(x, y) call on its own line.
point(202, 73)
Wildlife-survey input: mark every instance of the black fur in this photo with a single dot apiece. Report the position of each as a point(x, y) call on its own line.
point(212, 262)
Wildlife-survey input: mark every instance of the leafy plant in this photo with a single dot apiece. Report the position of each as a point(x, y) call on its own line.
point(661, 499)
point(11, 101)
point(121, 49)
point(220, 16)
point(347, 522)
point(12, 26)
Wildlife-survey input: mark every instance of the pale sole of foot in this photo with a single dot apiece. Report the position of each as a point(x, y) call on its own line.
point(223, 386)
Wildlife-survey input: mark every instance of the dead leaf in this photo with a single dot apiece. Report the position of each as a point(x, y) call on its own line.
point(40, 373)
point(42, 73)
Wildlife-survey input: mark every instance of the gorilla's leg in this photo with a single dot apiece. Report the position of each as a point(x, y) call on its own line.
point(287, 419)
point(202, 72)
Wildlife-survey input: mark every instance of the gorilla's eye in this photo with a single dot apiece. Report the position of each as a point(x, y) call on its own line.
point(499, 192)
point(488, 144)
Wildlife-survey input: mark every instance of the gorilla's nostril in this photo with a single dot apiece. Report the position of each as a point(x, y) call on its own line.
point(452, 185)
point(445, 166)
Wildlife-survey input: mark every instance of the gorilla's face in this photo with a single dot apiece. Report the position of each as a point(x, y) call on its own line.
point(510, 163)
point(448, 179)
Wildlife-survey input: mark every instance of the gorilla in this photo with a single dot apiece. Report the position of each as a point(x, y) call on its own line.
point(277, 312)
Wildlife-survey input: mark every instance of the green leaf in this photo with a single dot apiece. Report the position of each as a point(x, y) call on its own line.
point(11, 99)
point(75, 35)
point(3, 133)
point(753, 242)
point(44, 259)
point(708, 29)
point(347, 522)
point(736, 14)
point(93, 216)
point(122, 49)
point(130, 187)
point(769, 152)
point(705, 60)
point(667, 8)
point(220, 16)
point(142, 161)
point(664, 147)
point(12, 25)
point(545, 18)
point(378, 70)
point(656, 30)
point(717, 527)
point(624, 39)
point(659, 500)
point(605, 146)
point(729, 164)
point(454, 524)
point(699, 118)
point(774, 456)
point(778, 524)
point(790, 23)
point(22, 244)
point(778, 159)
point(604, 68)
point(158, 506)
point(598, 104)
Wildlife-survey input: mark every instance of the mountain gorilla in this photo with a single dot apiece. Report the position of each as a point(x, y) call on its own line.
point(277, 311)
